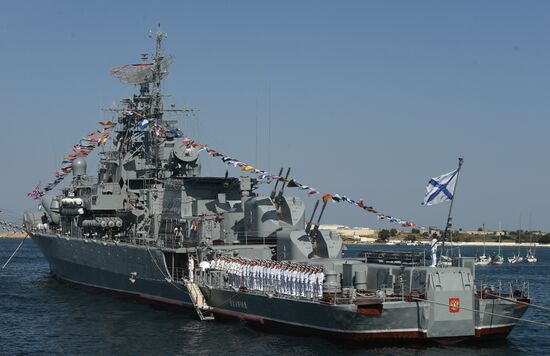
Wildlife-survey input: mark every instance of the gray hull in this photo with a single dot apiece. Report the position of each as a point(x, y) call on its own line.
point(141, 272)
point(342, 321)
point(112, 267)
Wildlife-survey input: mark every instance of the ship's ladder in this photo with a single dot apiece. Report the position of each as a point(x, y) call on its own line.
point(204, 311)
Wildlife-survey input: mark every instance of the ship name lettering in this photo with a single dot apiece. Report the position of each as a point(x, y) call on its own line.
point(239, 304)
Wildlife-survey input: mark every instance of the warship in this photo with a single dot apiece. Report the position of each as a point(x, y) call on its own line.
point(149, 225)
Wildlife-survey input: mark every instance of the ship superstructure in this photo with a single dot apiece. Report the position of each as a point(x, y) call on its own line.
point(148, 224)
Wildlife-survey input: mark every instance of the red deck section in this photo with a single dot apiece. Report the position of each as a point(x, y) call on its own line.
point(495, 332)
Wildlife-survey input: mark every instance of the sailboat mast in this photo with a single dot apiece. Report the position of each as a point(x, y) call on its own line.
point(449, 218)
point(484, 243)
point(499, 235)
point(531, 254)
point(519, 235)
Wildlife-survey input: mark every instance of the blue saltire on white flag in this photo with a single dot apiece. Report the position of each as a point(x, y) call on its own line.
point(441, 189)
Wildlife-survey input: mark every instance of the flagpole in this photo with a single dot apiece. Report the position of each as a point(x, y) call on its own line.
point(449, 218)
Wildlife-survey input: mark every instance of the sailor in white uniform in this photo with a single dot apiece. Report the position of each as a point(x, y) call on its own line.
point(310, 282)
point(280, 281)
point(237, 270)
point(213, 264)
point(314, 281)
point(286, 280)
point(277, 271)
point(255, 275)
point(274, 266)
point(294, 281)
point(251, 271)
point(260, 276)
point(433, 246)
point(227, 269)
point(266, 276)
point(300, 281)
point(234, 273)
point(320, 279)
point(191, 267)
point(238, 273)
point(204, 266)
point(271, 276)
point(304, 281)
point(245, 274)
point(293, 278)
point(219, 263)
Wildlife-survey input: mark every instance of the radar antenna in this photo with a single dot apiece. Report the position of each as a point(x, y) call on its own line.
point(147, 72)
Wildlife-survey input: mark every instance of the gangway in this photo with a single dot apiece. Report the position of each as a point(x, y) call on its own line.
point(204, 311)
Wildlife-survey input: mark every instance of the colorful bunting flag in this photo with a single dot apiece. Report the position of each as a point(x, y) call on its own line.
point(346, 199)
point(82, 149)
point(36, 193)
point(292, 184)
point(107, 124)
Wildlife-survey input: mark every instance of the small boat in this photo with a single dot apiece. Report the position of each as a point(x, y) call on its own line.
point(482, 260)
point(446, 259)
point(497, 259)
point(531, 257)
point(515, 259)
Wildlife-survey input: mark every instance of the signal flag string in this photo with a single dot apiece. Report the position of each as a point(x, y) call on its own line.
point(293, 183)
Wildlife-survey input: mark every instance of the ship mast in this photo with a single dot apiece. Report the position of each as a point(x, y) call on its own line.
point(449, 218)
point(156, 104)
point(148, 104)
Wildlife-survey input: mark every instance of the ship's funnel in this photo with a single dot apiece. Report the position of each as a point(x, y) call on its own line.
point(79, 167)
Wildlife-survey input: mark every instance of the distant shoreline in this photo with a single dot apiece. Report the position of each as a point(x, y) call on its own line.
point(13, 235)
point(22, 235)
point(455, 244)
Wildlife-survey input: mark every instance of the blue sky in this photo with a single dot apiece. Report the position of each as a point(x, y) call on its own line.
point(368, 98)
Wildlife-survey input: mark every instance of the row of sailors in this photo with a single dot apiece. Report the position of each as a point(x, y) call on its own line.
point(281, 277)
